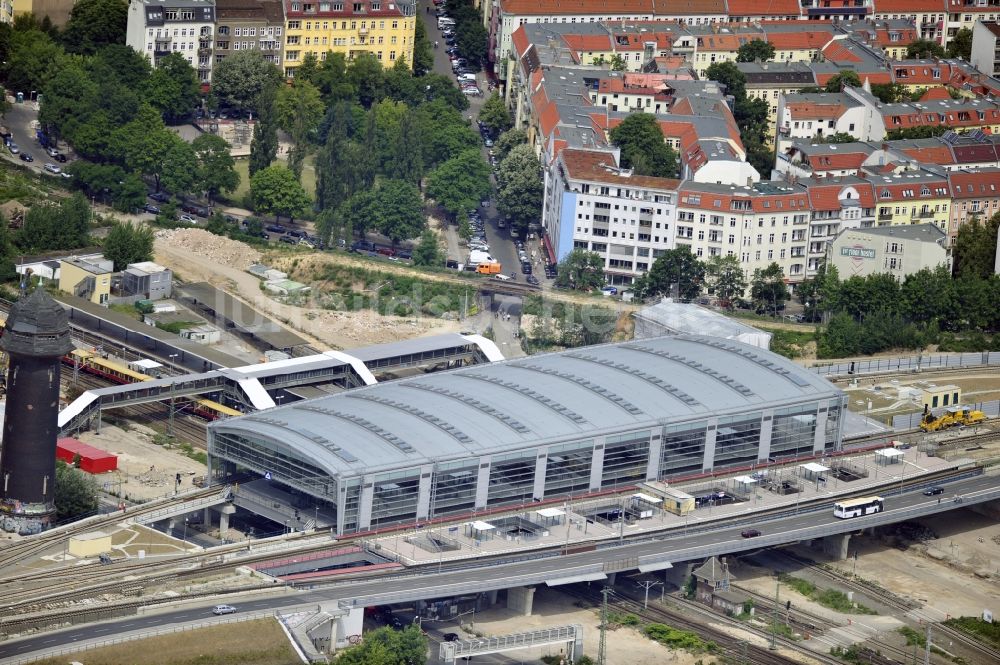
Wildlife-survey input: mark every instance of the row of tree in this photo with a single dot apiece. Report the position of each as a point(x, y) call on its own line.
point(471, 37)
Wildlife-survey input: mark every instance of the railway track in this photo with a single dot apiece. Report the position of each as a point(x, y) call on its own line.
point(708, 627)
point(987, 653)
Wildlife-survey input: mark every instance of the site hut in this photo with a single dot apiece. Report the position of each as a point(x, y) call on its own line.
point(934, 396)
point(546, 427)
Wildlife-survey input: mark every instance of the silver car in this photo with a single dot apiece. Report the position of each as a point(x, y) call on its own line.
point(223, 609)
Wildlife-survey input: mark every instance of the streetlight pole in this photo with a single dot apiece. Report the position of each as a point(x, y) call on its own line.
point(170, 420)
point(185, 530)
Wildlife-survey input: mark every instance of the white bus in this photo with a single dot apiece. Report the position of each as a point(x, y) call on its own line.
point(866, 505)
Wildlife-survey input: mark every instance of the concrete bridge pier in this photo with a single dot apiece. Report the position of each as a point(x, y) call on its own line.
point(836, 546)
point(225, 511)
point(521, 599)
point(491, 597)
point(679, 575)
point(347, 626)
point(989, 509)
point(612, 577)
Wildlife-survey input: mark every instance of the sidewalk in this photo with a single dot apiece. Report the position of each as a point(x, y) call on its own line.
point(581, 530)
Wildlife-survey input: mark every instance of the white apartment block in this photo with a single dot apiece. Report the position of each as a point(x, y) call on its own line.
point(159, 27)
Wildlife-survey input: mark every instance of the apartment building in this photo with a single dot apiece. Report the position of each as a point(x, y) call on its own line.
point(966, 13)
point(974, 194)
point(157, 28)
point(384, 28)
point(928, 15)
point(254, 25)
point(985, 50)
point(896, 251)
point(592, 204)
point(6, 11)
point(58, 11)
point(917, 196)
point(836, 203)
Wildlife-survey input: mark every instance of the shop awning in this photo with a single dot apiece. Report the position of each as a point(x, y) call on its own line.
point(547, 244)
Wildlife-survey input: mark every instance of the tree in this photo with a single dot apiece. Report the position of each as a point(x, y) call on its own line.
point(921, 132)
point(385, 646)
point(617, 63)
point(94, 24)
point(581, 270)
point(839, 137)
point(460, 183)
point(846, 77)
point(128, 243)
point(960, 46)
point(359, 213)
point(472, 42)
point(428, 250)
point(240, 79)
point(178, 167)
point(975, 246)
point(675, 268)
point(890, 93)
point(508, 141)
point(423, 54)
point(276, 191)
point(216, 168)
point(264, 144)
point(729, 75)
point(367, 78)
point(520, 187)
point(494, 114)
point(34, 61)
point(725, 277)
point(308, 71)
point(927, 295)
point(754, 50)
point(407, 163)
point(400, 210)
point(924, 48)
point(129, 195)
point(768, 288)
point(75, 492)
point(56, 227)
point(299, 111)
point(173, 88)
point(642, 146)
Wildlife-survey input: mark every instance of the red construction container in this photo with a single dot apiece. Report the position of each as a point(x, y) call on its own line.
point(92, 460)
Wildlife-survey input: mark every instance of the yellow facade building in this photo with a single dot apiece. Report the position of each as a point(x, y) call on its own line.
point(384, 28)
point(86, 277)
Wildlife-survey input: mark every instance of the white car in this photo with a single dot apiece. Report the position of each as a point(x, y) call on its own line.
point(52, 168)
point(187, 219)
point(223, 609)
point(502, 277)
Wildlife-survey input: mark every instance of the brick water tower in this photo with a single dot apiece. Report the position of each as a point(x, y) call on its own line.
point(35, 338)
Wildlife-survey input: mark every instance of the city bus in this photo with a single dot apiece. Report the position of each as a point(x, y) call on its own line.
point(866, 505)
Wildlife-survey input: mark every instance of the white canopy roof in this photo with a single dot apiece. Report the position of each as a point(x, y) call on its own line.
point(814, 467)
point(890, 452)
point(745, 480)
point(550, 512)
point(145, 363)
point(482, 526)
point(647, 498)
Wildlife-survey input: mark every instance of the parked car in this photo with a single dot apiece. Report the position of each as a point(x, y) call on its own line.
point(275, 228)
point(194, 209)
point(451, 263)
point(526, 268)
point(59, 157)
point(52, 152)
point(291, 240)
point(531, 279)
point(152, 209)
point(187, 219)
point(162, 197)
point(450, 637)
point(298, 234)
point(52, 168)
point(223, 609)
point(610, 290)
point(404, 254)
point(26, 157)
point(750, 533)
point(363, 246)
point(13, 148)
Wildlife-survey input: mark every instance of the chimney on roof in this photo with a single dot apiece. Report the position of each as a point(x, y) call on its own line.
point(885, 147)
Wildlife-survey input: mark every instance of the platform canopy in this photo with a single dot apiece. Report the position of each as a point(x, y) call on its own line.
point(745, 480)
point(890, 453)
point(549, 513)
point(482, 526)
point(813, 467)
point(647, 498)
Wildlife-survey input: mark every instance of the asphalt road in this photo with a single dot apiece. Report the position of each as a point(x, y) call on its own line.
point(679, 546)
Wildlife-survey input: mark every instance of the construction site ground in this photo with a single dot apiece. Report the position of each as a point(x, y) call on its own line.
point(885, 402)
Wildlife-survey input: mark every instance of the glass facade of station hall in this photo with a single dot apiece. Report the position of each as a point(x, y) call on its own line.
point(436, 489)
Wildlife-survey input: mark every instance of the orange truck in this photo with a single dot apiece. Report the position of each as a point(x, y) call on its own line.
point(488, 268)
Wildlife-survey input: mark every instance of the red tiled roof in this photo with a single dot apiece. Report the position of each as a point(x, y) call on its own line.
point(591, 165)
point(909, 6)
point(569, 7)
point(931, 118)
point(787, 41)
point(975, 154)
point(769, 8)
point(587, 42)
point(837, 51)
point(519, 38)
point(827, 197)
point(936, 155)
point(906, 36)
point(984, 182)
point(935, 93)
point(814, 110)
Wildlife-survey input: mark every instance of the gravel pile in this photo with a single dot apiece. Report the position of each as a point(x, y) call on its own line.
point(217, 249)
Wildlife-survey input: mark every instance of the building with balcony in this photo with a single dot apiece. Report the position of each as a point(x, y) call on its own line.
point(249, 25)
point(844, 10)
point(975, 194)
point(157, 28)
point(383, 28)
point(929, 16)
point(912, 196)
point(898, 251)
